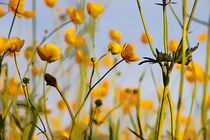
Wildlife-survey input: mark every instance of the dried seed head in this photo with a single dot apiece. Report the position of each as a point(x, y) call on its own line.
point(51, 81)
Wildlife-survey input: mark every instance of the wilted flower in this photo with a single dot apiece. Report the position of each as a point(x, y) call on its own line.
point(50, 3)
point(115, 35)
point(128, 53)
point(49, 52)
point(13, 5)
point(15, 44)
point(144, 38)
point(94, 9)
point(173, 45)
point(114, 48)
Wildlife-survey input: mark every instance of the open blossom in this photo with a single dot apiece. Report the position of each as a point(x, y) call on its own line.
point(77, 16)
point(115, 35)
point(94, 9)
point(114, 48)
point(13, 5)
point(15, 44)
point(49, 52)
point(128, 53)
point(50, 3)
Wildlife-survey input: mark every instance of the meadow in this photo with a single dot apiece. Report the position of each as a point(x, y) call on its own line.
point(104, 70)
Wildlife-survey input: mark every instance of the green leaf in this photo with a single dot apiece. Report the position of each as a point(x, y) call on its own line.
point(136, 134)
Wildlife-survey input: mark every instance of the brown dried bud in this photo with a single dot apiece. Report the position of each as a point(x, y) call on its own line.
point(51, 81)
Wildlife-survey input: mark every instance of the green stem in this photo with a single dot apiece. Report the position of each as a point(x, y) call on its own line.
point(184, 4)
point(205, 88)
point(172, 115)
point(165, 27)
point(145, 28)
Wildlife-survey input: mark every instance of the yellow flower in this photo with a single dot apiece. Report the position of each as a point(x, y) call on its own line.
point(199, 71)
point(77, 16)
point(2, 12)
point(49, 52)
point(34, 71)
point(189, 76)
point(144, 38)
point(147, 104)
point(115, 35)
point(101, 91)
point(29, 53)
point(59, 8)
point(69, 35)
point(15, 44)
point(173, 45)
point(29, 13)
point(202, 37)
point(61, 105)
point(108, 61)
point(178, 66)
point(94, 9)
point(3, 44)
point(128, 53)
point(13, 5)
point(79, 41)
point(82, 58)
point(114, 48)
point(50, 3)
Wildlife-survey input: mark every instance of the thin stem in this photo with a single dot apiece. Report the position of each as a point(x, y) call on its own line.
point(91, 77)
point(172, 115)
point(145, 28)
point(200, 21)
point(205, 87)
point(184, 34)
point(165, 27)
point(45, 107)
point(34, 24)
point(102, 57)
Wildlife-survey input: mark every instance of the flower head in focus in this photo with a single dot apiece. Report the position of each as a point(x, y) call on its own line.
point(50, 3)
point(50, 52)
point(128, 53)
point(15, 44)
point(13, 5)
point(94, 9)
point(114, 48)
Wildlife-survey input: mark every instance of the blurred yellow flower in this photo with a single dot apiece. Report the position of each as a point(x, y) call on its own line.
point(13, 5)
point(61, 105)
point(15, 44)
point(147, 104)
point(101, 91)
point(128, 53)
point(202, 37)
point(29, 53)
point(29, 13)
point(114, 48)
point(82, 58)
point(70, 36)
point(59, 8)
point(50, 3)
point(79, 41)
point(199, 71)
point(178, 66)
point(144, 38)
point(77, 16)
point(173, 45)
point(2, 11)
point(115, 35)
point(49, 52)
point(108, 61)
point(94, 9)
point(34, 71)
point(189, 76)
point(3, 44)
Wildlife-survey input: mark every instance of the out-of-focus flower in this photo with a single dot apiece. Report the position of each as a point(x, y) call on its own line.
point(50, 3)
point(15, 88)
point(114, 48)
point(70, 36)
point(147, 104)
point(128, 53)
point(82, 58)
point(79, 41)
point(2, 11)
point(178, 66)
point(94, 9)
point(13, 5)
point(29, 53)
point(198, 69)
point(190, 134)
point(61, 105)
point(108, 61)
point(3, 44)
point(189, 76)
point(15, 44)
point(77, 16)
point(208, 101)
point(34, 71)
point(115, 35)
point(101, 91)
point(49, 52)
point(144, 38)
point(29, 13)
point(173, 45)
point(59, 8)
point(202, 37)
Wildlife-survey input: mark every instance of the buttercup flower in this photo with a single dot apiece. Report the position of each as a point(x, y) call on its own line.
point(61, 105)
point(50, 3)
point(29, 52)
point(202, 37)
point(189, 76)
point(29, 13)
point(114, 48)
point(128, 53)
point(77, 16)
point(2, 12)
point(199, 71)
point(108, 61)
point(13, 5)
point(49, 52)
point(94, 9)
point(115, 35)
point(144, 38)
point(173, 45)
point(3, 44)
point(34, 71)
point(15, 44)
point(79, 41)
